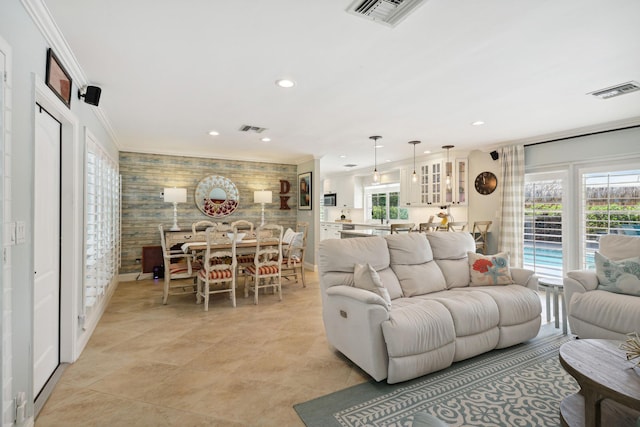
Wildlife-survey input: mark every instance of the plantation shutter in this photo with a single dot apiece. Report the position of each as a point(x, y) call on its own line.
point(611, 206)
point(101, 223)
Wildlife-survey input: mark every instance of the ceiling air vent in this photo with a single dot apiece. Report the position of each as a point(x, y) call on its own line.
point(621, 89)
point(350, 165)
point(253, 129)
point(388, 12)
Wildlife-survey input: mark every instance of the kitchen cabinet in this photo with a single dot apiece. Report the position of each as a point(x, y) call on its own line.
point(330, 230)
point(457, 193)
point(432, 188)
point(429, 188)
point(409, 190)
point(348, 190)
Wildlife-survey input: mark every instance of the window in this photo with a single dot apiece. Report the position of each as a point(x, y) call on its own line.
point(102, 223)
point(543, 208)
point(383, 203)
point(611, 205)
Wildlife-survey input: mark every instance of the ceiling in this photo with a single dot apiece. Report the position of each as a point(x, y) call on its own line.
point(171, 71)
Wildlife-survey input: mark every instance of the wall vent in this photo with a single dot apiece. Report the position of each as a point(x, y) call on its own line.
point(253, 129)
point(621, 89)
point(387, 12)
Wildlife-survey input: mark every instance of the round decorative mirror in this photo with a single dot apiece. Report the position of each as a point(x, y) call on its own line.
point(216, 196)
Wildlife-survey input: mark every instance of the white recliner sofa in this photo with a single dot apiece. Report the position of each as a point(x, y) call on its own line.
point(432, 316)
point(596, 313)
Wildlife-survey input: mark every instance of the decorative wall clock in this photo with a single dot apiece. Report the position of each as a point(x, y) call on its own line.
point(216, 196)
point(486, 183)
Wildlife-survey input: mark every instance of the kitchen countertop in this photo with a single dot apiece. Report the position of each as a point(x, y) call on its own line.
point(376, 226)
point(364, 233)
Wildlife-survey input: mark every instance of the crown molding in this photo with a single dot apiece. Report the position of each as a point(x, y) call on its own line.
point(43, 20)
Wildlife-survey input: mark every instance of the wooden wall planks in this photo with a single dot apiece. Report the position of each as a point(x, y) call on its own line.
point(144, 177)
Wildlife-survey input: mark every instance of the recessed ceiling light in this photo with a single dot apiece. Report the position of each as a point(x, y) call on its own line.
point(265, 139)
point(214, 133)
point(379, 146)
point(286, 83)
point(387, 160)
point(427, 151)
point(478, 123)
point(342, 156)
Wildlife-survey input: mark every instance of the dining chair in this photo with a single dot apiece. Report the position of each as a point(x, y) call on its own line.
point(265, 272)
point(218, 274)
point(479, 232)
point(244, 226)
point(397, 228)
point(199, 234)
point(244, 256)
point(293, 253)
point(177, 266)
point(425, 227)
point(199, 229)
point(457, 226)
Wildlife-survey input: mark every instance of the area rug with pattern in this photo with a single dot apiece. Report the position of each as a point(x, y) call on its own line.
point(518, 386)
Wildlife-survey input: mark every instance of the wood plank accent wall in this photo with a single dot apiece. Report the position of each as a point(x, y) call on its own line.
point(144, 177)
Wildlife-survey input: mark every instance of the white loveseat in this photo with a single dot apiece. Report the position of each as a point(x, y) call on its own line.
point(435, 317)
point(596, 313)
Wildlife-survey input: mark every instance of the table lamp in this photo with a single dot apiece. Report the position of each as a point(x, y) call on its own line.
point(262, 197)
point(175, 196)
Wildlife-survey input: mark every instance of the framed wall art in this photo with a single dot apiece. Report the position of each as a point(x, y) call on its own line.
point(305, 193)
point(58, 80)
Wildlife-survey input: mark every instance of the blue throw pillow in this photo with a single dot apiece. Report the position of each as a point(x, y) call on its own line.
point(622, 277)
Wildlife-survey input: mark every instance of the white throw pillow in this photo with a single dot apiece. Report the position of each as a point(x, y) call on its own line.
point(288, 236)
point(367, 278)
point(296, 242)
point(622, 276)
point(489, 269)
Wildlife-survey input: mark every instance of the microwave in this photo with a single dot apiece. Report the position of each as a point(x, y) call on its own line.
point(330, 199)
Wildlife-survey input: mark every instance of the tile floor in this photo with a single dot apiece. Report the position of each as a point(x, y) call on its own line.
point(149, 364)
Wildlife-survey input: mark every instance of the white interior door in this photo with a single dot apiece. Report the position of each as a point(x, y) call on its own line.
point(46, 338)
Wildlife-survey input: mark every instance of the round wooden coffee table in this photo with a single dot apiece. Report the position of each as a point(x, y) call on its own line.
point(609, 383)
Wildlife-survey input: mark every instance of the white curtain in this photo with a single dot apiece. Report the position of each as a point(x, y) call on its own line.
point(512, 203)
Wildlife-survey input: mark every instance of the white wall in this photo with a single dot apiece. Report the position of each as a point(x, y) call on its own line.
point(312, 216)
point(29, 47)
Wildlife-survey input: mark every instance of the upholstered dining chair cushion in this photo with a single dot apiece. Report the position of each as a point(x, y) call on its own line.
point(178, 268)
point(246, 259)
point(264, 270)
point(216, 274)
point(489, 269)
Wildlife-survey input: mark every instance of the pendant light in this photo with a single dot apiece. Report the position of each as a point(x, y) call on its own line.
point(414, 175)
point(448, 166)
point(376, 175)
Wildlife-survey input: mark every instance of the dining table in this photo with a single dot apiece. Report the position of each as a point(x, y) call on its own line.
point(199, 246)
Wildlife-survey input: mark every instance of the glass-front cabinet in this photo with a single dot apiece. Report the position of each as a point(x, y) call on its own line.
point(456, 182)
point(431, 190)
point(427, 190)
point(439, 183)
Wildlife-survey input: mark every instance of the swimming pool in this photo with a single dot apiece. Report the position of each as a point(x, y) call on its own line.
point(548, 259)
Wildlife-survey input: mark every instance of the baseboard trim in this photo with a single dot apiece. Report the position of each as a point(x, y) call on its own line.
point(44, 395)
